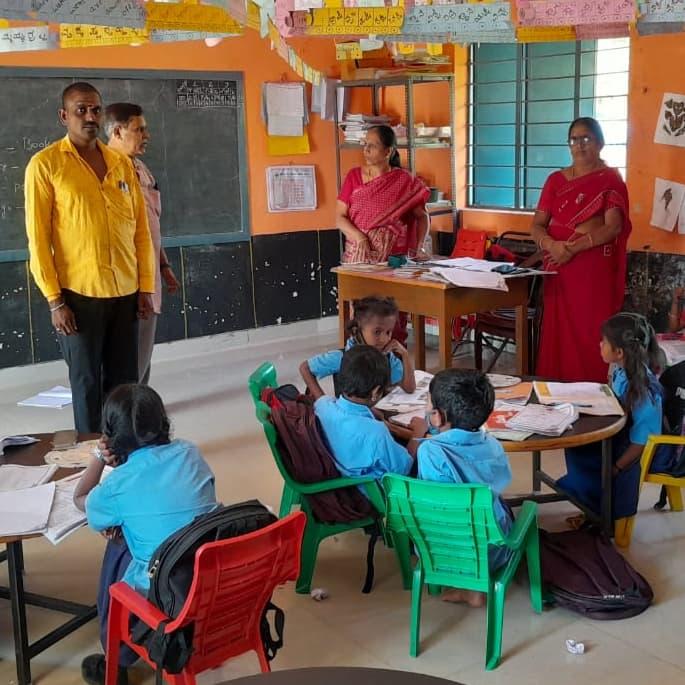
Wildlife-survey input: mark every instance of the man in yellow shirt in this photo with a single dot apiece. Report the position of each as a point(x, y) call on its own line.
point(91, 253)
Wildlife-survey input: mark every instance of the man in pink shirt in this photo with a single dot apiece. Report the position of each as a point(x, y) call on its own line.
point(128, 134)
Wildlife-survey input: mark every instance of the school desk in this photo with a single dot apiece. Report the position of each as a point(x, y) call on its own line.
point(586, 430)
point(340, 675)
point(32, 455)
point(441, 301)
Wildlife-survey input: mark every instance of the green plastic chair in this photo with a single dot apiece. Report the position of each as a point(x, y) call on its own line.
point(265, 377)
point(315, 531)
point(452, 527)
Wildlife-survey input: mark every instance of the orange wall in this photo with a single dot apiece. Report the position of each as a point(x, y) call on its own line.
point(251, 55)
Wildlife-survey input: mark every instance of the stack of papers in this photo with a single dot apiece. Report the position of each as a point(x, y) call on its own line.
point(673, 346)
point(402, 402)
point(470, 264)
point(497, 423)
point(27, 511)
point(543, 420)
point(64, 518)
point(58, 397)
point(284, 108)
point(74, 457)
point(355, 126)
point(516, 394)
point(16, 477)
point(466, 278)
point(15, 441)
point(595, 399)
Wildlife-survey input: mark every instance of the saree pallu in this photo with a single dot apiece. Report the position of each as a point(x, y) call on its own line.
point(381, 209)
point(590, 288)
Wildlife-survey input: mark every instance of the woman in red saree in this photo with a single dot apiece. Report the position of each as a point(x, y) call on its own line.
point(582, 224)
point(381, 207)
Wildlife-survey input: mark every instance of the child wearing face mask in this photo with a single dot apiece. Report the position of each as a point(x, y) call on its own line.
point(461, 451)
point(373, 324)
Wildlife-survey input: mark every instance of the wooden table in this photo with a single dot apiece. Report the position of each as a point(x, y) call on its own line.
point(586, 430)
point(441, 301)
point(32, 455)
point(338, 675)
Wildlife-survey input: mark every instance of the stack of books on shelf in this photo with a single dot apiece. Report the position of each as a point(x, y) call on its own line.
point(354, 126)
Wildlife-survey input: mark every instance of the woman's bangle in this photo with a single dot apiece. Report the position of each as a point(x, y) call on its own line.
point(541, 241)
point(59, 306)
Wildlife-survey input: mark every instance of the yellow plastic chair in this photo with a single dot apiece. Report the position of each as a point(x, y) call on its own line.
point(623, 528)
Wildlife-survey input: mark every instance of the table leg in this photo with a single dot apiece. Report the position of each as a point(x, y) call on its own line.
point(15, 557)
point(343, 320)
point(445, 341)
point(522, 339)
point(606, 513)
point(537, 465)
point(419, 324)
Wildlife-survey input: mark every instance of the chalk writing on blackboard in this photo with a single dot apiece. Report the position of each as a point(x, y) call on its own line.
point(204, 94)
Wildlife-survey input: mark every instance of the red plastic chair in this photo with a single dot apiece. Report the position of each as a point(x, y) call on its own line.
point(472, 244)
point(232, 582)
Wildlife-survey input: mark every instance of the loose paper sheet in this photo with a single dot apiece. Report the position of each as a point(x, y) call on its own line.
point(282, 146)
point(465, 18)
point(87, 35)
point(185, 17)
point(112, 13)
point(670, 126)
point(662, 10)
point(282, 125)
point(573, 12)
point(25, 511)
point(285, 99)
point(17, 477)
point(667, 203)
point(19, 39)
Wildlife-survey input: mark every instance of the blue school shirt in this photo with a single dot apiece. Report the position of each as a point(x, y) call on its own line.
point(459, 456)
point(646, 416)
point(156, 492)
point(361, 445)
point(328, 363)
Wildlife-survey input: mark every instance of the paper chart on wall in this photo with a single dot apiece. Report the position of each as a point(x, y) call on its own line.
point(471, 18)
point(670, 126)
point(18, 39)
point(667, 205)
point(113, 13)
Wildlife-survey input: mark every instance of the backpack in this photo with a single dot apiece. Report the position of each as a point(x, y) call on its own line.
point(583, 572)
point(171, 573)
point(308, 460)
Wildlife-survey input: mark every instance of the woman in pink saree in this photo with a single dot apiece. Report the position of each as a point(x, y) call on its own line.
point(381, 207)
point(582, 224)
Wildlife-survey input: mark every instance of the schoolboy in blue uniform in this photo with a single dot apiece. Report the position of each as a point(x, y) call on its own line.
point(158, 486)
point(361, 445)
point(461, 451)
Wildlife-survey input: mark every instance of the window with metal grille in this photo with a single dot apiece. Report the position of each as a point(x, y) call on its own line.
point(522, 99)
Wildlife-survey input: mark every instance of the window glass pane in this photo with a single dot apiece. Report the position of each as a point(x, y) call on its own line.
point(546, 134)
point(494, 52)
point(494, 135)
point(544, 49)
point(494, 72)
point(494, 92)
point(551, 67)
point(551, 155)
point(551, 89)
point(495, 114)
point(493, 197)
point(544, 112)
point(532, 197)
point(493, 176)
point(536, 177)
point(494, 156)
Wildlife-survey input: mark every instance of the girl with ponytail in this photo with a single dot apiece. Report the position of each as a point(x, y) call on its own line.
point(629, 345)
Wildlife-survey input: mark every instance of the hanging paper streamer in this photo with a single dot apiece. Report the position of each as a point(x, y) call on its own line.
point(565, 12)
point(158, 36)
point(21, 39)
point(182, 17)
point(501, 36)
point(126, 13)
point(84, 35)
point(661, 11)
point(544, 34)
point(345, 51)
point(651, 28)
point(15, 9)
point(455, 19)
point(353, 21)
point(596, 31)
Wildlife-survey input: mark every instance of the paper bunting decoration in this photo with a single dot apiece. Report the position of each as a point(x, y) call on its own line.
point(84, 35)
point(22, 39)
point(574, 12)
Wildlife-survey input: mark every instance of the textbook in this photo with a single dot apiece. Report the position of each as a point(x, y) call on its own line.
point(17, 477)
point(594, 399)
point(544, 420)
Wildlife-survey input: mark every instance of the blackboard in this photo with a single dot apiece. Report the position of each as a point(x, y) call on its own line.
point(197, 150)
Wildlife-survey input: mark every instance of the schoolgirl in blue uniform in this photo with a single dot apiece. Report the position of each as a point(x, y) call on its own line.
point(629, 345)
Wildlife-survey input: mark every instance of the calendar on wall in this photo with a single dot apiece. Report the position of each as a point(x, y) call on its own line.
point(291, 188)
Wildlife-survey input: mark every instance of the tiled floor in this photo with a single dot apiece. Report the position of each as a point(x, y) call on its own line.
point(204, 385)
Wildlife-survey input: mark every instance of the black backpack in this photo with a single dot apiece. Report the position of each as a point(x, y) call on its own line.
point(171, 574)
point(583, 572)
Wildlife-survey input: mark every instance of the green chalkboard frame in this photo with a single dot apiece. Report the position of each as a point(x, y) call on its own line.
point(159, 74)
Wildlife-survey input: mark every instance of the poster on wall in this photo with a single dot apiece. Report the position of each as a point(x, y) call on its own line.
point(670, 126)
point(291, 188)
point(667, 206)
